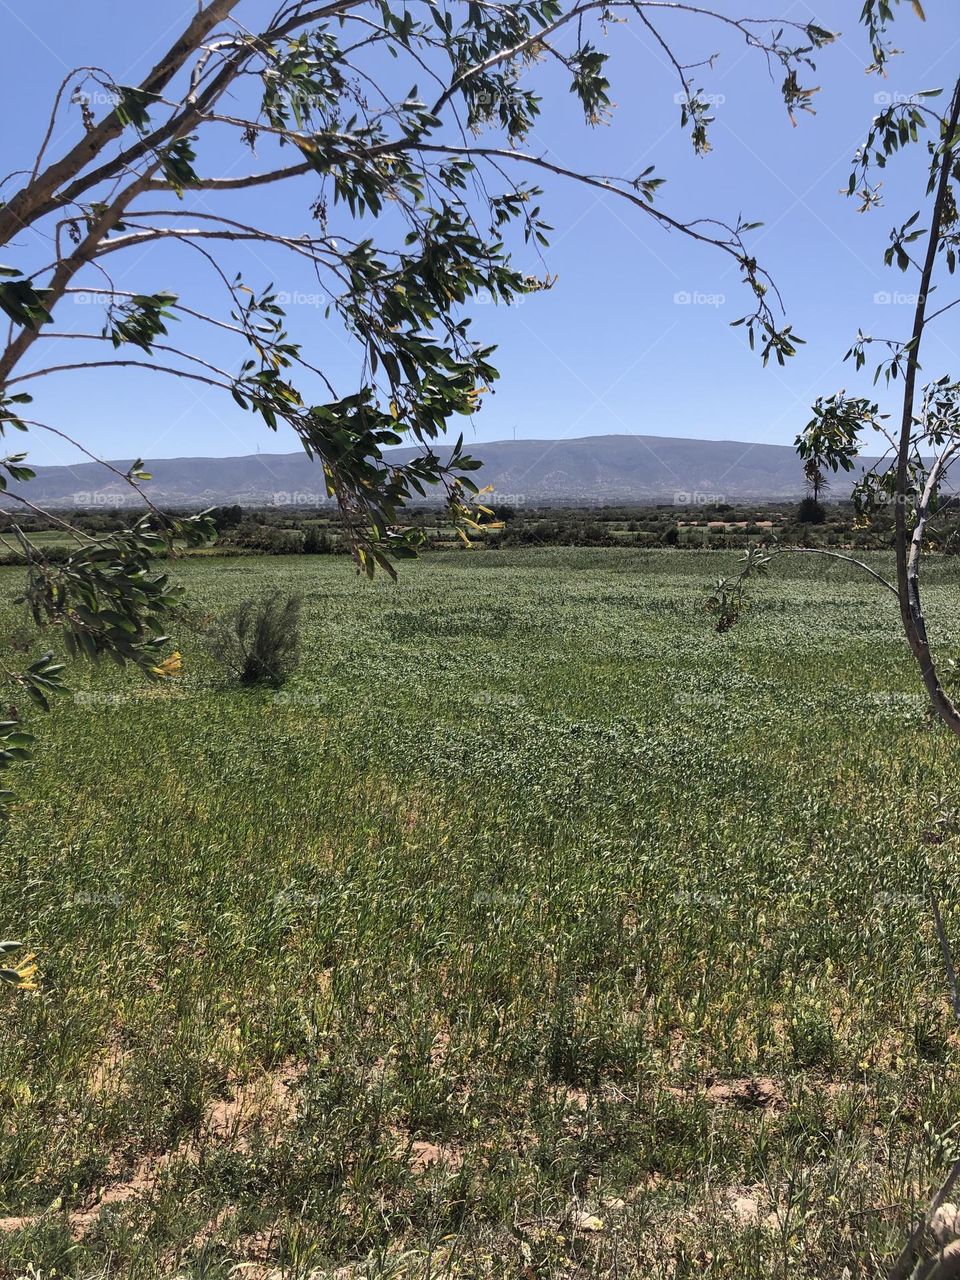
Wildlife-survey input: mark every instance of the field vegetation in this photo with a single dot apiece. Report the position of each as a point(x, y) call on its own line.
point(716, 526)
point(529, 929)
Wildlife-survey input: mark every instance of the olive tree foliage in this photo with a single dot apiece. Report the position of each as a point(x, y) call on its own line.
point(421, 197)
point(917, 449)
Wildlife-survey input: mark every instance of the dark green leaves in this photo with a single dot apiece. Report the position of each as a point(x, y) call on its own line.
point(729, 598)
point(14, 743)
point(876, 16)
point(42, 678)
point(176, 161)
point(695, 115)
point(901, 237)
point(13, 465)
point(132, 106)
point(9, 417)
point(303, 82)
point(589, 83)
point(830, 440)
point(22, 301)
point(141, 320)
point(772, 340)
point(106, 599)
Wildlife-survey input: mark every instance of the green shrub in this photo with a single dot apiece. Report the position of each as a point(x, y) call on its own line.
point(317, 542)
point(260, 640)
point(810, 511)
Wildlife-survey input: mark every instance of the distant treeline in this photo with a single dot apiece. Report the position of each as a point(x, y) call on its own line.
point(719, 526)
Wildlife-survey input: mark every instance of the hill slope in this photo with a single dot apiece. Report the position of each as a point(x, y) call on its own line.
point(592, 469)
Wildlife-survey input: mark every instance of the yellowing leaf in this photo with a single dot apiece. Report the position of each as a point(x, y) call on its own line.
point(21, 975)
point(171, 666)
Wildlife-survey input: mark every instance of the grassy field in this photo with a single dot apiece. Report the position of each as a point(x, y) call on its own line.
point(532, 930)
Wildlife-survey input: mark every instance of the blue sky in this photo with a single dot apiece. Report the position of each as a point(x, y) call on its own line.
point(635, 336)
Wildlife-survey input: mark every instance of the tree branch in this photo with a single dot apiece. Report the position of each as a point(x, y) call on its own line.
point(19, 210)
point(908, 584)
point(118, 364)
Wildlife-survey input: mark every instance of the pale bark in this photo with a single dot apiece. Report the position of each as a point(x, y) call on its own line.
point(907, 546)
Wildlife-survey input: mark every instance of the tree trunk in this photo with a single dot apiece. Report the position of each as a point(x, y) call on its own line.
point(907, 546)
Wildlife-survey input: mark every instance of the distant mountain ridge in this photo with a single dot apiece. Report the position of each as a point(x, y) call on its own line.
point(607, 469)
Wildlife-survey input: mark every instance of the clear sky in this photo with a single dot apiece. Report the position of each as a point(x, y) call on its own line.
point(635, 336)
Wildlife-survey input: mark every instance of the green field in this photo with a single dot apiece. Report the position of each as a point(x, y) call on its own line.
point(531, 930)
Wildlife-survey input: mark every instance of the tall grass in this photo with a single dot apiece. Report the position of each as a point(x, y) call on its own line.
point(530, 929)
